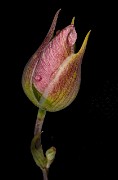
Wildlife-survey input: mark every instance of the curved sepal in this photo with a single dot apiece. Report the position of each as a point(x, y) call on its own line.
point(31, 65)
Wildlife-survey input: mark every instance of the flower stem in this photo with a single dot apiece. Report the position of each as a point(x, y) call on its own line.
point(45, 174)
point(38, 125)
point(36, 147)
point(42, 160)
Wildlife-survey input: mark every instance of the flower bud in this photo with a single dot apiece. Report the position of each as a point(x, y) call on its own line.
point(50, 155)
point(52, 77)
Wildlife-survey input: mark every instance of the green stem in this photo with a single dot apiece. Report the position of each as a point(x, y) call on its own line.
point(42, 161)
point(36, 147)
point(38, 125)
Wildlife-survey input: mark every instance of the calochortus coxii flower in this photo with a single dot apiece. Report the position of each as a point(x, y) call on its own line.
point(51, 80)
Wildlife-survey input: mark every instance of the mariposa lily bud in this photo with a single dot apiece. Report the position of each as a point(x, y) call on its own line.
point(50, 155)
point(52, 77)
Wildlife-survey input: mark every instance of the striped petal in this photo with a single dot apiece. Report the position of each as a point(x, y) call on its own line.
point(53, 56)
point(63, 88)
point(32, 63)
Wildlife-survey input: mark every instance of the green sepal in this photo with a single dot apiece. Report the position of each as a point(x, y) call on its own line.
point(36, 93)
point(38, 154)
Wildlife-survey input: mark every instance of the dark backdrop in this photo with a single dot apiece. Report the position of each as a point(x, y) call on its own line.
point(84, 133)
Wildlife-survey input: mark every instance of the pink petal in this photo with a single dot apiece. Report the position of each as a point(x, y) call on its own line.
point(53, 56)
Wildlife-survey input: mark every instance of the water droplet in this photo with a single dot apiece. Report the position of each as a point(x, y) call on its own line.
point(38, 78)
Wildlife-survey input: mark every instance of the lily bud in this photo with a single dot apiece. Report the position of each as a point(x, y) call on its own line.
point(50, 155)
point(51, 78)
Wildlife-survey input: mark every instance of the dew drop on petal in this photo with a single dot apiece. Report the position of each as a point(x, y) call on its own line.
point(38, 78)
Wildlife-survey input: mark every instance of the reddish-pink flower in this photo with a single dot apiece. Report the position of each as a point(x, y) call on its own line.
point(51, 78)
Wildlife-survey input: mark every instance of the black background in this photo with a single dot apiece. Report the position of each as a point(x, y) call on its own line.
point(84, 133)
